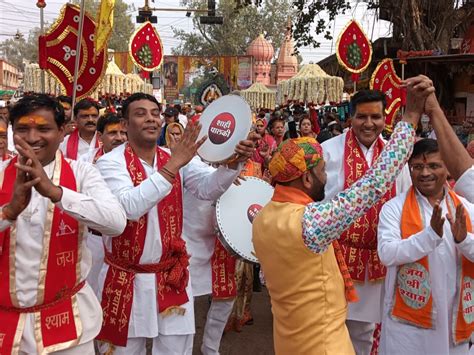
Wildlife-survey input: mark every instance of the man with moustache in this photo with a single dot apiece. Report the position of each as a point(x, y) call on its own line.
point(45, 303)
point(83, 138)
point(145, 287)
point(295, 235)
point(111, 133)
point(428, 305)
point(348, 157)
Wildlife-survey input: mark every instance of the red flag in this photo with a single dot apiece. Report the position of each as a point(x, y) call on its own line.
point(385, 79)
point(57, 53)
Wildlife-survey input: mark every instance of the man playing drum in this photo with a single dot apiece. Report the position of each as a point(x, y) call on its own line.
point(145, 282)
point(295, 235)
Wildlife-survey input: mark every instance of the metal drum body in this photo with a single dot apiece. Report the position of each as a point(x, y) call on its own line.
point(225, 122)
point(235, 212)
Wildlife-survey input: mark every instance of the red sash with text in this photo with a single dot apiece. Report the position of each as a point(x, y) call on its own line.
point(57, 322)
point(223, 273)
point(171, 272)
point(359, 242)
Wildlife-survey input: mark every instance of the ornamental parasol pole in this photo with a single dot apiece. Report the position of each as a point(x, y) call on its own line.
point(41, 4)
point(78, 55)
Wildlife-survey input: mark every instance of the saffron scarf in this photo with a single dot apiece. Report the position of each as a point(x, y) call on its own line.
point(413, 298)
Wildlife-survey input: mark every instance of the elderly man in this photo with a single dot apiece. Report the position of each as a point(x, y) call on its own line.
point(295, 235)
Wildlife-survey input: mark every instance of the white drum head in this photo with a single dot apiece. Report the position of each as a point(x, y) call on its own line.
point(225, 122)
point(235, 212)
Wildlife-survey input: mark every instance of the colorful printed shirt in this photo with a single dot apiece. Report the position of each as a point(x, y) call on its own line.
point(323, 222)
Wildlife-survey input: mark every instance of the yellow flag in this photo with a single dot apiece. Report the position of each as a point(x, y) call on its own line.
point(105, 23)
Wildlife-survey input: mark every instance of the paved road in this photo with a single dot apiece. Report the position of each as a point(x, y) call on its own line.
point(254, 339)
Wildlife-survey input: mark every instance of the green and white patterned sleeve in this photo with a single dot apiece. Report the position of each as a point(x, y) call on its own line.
point(323, 222)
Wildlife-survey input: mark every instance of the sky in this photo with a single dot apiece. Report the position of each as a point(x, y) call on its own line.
point(23, 15)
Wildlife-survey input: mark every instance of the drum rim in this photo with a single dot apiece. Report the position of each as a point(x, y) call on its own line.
point(249, 128)
point(225, 236)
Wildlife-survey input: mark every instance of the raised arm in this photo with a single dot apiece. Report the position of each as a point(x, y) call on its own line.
point(324, 222)
point(455, 156)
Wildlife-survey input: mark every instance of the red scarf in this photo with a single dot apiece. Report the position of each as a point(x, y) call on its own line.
point(124, 261)
point(413, 302)
point(98, 154)
point(73, 145)
point(57, 322)
point(359, 242)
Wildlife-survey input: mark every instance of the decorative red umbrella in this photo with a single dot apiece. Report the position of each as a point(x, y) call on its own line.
point(57, 52)
point(353, 49)
point(385, 79)
point(146, 48)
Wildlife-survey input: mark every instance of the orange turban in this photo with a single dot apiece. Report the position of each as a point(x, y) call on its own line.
point(294, 157)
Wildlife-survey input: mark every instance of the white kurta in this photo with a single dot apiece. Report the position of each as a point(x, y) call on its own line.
point(443, 254)
point(97, 208)
point(198, 232)
point(94, 242)
point(11, 143)
point(202, 181)
point(368, 309)
point(465, 185)
point(83, 146)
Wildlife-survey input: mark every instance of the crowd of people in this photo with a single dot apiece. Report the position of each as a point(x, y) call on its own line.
point(107, 229)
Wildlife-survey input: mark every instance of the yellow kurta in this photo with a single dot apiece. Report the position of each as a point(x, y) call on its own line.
point(306, 289)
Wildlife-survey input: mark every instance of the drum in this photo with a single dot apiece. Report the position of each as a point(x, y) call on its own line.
point(235, 212)
point(225, 122)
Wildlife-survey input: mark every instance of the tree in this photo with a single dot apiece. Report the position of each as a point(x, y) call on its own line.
point(417, 24)
point(19, 49)
point(241, 26)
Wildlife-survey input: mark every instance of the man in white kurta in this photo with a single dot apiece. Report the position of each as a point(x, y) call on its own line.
point(94, 205)
point(200, 180)
point(86, 114)
point(397, 338)
point(444, 259)
point(111, 134)
point(200, 236)
point(362, 315)
point(173, 333)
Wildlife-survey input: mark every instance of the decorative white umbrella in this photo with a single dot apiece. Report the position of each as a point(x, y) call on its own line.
point(259, 96)
point(311, 85)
